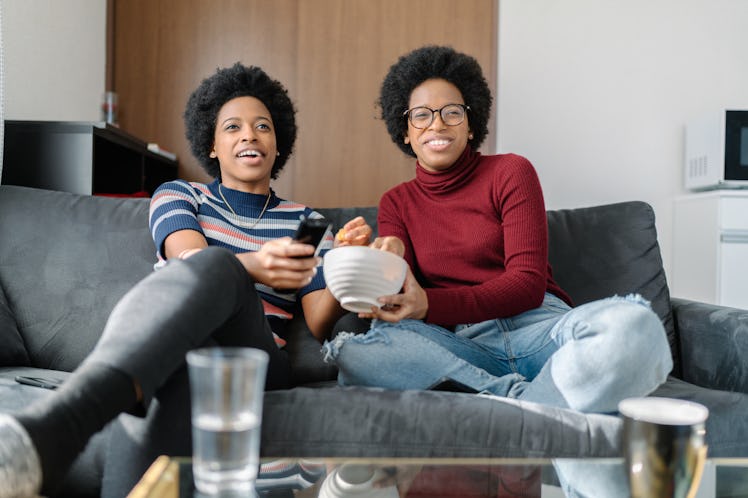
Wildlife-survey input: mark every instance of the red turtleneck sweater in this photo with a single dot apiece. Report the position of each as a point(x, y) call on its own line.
point(476, 237)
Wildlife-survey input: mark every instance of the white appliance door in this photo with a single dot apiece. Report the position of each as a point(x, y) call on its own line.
point(733, 286)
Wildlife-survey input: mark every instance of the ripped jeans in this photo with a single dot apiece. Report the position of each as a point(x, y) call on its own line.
point(586, 358)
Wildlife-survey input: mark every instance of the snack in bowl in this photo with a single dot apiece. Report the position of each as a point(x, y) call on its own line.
point(358, 275)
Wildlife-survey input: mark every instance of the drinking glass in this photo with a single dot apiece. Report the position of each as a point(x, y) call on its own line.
point(226, 388)
point(109, 108)
point(664, 446)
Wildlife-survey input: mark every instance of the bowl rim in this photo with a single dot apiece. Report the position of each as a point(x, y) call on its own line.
point(366, 249)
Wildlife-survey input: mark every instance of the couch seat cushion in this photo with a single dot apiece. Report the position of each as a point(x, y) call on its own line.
point(12, 349)
point(372, 422)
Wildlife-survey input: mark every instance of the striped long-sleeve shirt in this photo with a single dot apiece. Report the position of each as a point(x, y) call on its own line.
point(179, 205)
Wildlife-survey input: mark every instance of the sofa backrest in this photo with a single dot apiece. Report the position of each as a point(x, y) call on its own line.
point(65, 260)
point(339, 216)
point(600, 251)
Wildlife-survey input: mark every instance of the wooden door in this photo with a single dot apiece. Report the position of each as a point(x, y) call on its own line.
point(331, 55)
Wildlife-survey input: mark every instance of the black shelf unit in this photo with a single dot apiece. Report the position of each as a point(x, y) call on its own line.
point(81, 157)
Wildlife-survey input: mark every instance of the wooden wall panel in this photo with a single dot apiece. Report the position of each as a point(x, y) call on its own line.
point(345, 154)
point(332, 56)
point(164, 48)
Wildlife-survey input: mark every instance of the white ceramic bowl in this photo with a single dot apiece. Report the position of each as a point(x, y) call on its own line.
point(358, 275)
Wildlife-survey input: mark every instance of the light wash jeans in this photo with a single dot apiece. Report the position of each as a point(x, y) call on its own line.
point(586, 358)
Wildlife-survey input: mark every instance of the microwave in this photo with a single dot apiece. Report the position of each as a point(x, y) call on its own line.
point(716, 153)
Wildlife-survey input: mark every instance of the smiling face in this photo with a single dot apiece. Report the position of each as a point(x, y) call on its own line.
point(438, 146)
point(245, 145)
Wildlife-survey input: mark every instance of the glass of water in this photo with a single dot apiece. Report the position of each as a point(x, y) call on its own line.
point(226, 388)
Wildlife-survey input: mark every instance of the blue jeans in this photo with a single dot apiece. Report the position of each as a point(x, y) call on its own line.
point(586, 358)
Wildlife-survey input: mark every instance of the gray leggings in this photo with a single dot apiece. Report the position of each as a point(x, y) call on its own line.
point(208, 299)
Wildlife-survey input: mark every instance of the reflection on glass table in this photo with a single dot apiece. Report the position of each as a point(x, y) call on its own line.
point(439, 478)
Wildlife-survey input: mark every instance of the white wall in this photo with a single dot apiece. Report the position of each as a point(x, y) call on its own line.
point(596, 93)
point(2, 93)
point(55, 59)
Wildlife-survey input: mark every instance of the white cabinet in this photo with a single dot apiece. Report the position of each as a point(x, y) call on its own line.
point(710, 249)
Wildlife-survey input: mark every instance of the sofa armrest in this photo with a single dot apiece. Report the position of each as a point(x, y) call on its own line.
point(713, 343)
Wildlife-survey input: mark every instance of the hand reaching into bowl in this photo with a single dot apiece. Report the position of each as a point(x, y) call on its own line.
point(391, 244)
point(354, 233)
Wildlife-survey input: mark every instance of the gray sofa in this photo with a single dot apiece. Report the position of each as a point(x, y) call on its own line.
point(66, 259)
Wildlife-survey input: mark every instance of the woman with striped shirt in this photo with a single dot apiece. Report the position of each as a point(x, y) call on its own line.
point(222, 247)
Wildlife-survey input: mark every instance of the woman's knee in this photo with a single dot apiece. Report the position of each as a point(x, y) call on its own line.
point(216, 260)
point(218, 272)
point(638, 338)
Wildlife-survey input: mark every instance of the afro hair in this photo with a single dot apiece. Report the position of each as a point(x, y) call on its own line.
point(434, 62)
point(226, 84)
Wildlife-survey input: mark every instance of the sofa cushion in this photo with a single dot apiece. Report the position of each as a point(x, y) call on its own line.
point(305, 354)
point(12, 351)
point(726, 427)
point(340, 216)
point(15, 396)
point(66, 260)
point(373, 422)
point(611, 249)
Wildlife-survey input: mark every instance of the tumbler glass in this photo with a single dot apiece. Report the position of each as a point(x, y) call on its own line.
point(664, 446)
point(109, 108)
point(226, 388)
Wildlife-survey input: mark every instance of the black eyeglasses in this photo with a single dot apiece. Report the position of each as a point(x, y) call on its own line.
point(451, 114)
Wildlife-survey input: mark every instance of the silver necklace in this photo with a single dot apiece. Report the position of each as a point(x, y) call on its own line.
point(239, 220)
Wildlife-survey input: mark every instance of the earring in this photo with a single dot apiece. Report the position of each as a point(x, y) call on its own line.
point(470, 136)
point(213, 154)
point(277, 153)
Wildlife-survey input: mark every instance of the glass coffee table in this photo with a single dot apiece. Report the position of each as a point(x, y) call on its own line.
point(170, 477)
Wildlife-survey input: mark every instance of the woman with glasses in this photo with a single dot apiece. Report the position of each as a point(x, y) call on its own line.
point(480, 308)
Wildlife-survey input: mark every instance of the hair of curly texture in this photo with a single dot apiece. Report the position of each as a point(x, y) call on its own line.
point(201, 112)
point(434, 62)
